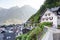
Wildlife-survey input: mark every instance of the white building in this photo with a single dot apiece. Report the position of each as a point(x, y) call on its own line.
point(52, 15)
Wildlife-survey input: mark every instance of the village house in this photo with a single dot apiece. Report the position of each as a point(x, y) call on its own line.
point(52, 15)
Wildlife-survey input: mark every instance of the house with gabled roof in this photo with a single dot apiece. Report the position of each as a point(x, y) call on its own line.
point(52, 15)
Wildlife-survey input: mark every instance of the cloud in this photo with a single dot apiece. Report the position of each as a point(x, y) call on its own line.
point(34, 3)
point(10, 3)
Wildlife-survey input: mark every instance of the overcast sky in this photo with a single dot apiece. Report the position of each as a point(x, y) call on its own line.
point(10, 3)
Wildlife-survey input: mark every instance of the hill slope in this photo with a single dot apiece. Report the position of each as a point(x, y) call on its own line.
point(47, 4)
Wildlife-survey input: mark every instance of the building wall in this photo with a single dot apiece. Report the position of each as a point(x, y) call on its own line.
point(55, 21)
point(48, 36)
point(58, 20)
point(49, 18)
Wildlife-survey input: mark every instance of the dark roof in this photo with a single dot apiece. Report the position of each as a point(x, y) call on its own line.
point(59, 9)
point(25, 30)
point(56, 10)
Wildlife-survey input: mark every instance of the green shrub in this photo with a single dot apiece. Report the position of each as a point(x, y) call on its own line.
point(46, 24)
point(32, 35)
point(58, 26)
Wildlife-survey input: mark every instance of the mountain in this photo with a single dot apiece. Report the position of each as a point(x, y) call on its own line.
point(47, 4)
point(16, 15)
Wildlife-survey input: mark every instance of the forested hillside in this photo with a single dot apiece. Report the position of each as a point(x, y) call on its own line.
point(47, 4)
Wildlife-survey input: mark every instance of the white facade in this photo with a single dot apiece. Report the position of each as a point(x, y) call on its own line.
point(54, 17)
point(58, 20)
point(51, 34)
point(50, 17)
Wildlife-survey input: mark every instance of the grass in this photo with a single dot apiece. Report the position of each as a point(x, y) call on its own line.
point(33, 34)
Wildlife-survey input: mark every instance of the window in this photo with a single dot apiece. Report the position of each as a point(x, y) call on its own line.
point(46, 18)
point(49, 14)
point(43, 19)
point(58, 17)
point(8, 37)
point(58, 12)
point(51, 18)
point(45, 14)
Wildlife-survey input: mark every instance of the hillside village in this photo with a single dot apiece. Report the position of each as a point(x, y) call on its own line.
point(51, 20)
point(46, 21)
point(50, 17)
point(10, 32)
point(44, 25)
